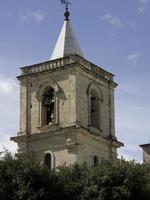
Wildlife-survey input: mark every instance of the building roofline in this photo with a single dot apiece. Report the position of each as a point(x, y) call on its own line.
point(49, 61)
point(144, 145)
point(61, 63)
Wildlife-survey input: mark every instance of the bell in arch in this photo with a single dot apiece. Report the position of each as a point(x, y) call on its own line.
point(47, 101)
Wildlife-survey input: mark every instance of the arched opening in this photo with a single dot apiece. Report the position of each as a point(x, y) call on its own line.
point(48, 106)
point(96, 161)
point(48, 160)
point(94, 109)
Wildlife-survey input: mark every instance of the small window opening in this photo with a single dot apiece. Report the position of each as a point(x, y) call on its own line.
point(48, 160)
point(48, 104)
point(94, 110)
point(96, 161)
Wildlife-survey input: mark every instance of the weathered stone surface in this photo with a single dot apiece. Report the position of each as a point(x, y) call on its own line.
point(71, 138)
point(146, 152)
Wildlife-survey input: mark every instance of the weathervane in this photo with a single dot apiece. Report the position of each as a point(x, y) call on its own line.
point(67, 13)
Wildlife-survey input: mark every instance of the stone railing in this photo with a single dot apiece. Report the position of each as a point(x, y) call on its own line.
point(65, 61)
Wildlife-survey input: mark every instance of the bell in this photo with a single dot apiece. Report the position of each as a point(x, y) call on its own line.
point(47, 101)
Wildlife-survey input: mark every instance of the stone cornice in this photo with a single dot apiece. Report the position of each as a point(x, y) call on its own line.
point(62, 63)
point(76, 129)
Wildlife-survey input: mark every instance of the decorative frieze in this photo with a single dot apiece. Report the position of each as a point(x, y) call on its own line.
point(64, 62)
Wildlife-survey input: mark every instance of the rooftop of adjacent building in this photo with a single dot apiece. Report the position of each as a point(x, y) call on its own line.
point(146, 148)
point(145, 145)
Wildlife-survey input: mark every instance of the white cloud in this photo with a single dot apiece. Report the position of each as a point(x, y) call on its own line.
point(132, 24)
point(134, 58)
point(37, 16)
point(143, 6)
point(143, 1)
point(115, 21)
point(132, 120)
point(9, 109)
point(8, 86)
point(5, 143)
point(141, 10)
point(130, 152)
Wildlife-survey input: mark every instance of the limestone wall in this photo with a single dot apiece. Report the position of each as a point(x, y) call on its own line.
point(107, 122)
point(66, 100)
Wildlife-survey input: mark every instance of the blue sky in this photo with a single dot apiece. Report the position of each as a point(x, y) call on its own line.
point(113, 34)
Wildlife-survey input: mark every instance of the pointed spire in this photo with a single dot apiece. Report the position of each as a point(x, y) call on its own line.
point(67, 43)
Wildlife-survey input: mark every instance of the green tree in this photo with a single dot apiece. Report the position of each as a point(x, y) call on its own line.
point(23, 179)
point(118, 180)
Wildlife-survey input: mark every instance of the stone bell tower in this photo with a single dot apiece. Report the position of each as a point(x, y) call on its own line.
point(67, 107)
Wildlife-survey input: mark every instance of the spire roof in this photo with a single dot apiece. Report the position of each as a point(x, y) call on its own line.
point(67, 43)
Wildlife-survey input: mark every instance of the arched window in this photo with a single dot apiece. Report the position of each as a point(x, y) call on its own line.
point(94, 109)
point(96, 161)
point(48, 160)
point(48, 106)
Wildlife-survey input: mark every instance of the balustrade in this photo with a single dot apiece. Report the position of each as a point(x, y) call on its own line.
point(62, 62)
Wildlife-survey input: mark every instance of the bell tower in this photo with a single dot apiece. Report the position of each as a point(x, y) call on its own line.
point(67, 107)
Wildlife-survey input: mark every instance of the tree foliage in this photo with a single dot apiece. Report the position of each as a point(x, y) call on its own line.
point(24, 179)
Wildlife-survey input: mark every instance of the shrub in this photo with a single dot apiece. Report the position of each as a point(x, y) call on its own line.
point(23, 179)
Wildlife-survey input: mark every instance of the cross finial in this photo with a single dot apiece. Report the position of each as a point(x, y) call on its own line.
point(67, 13)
